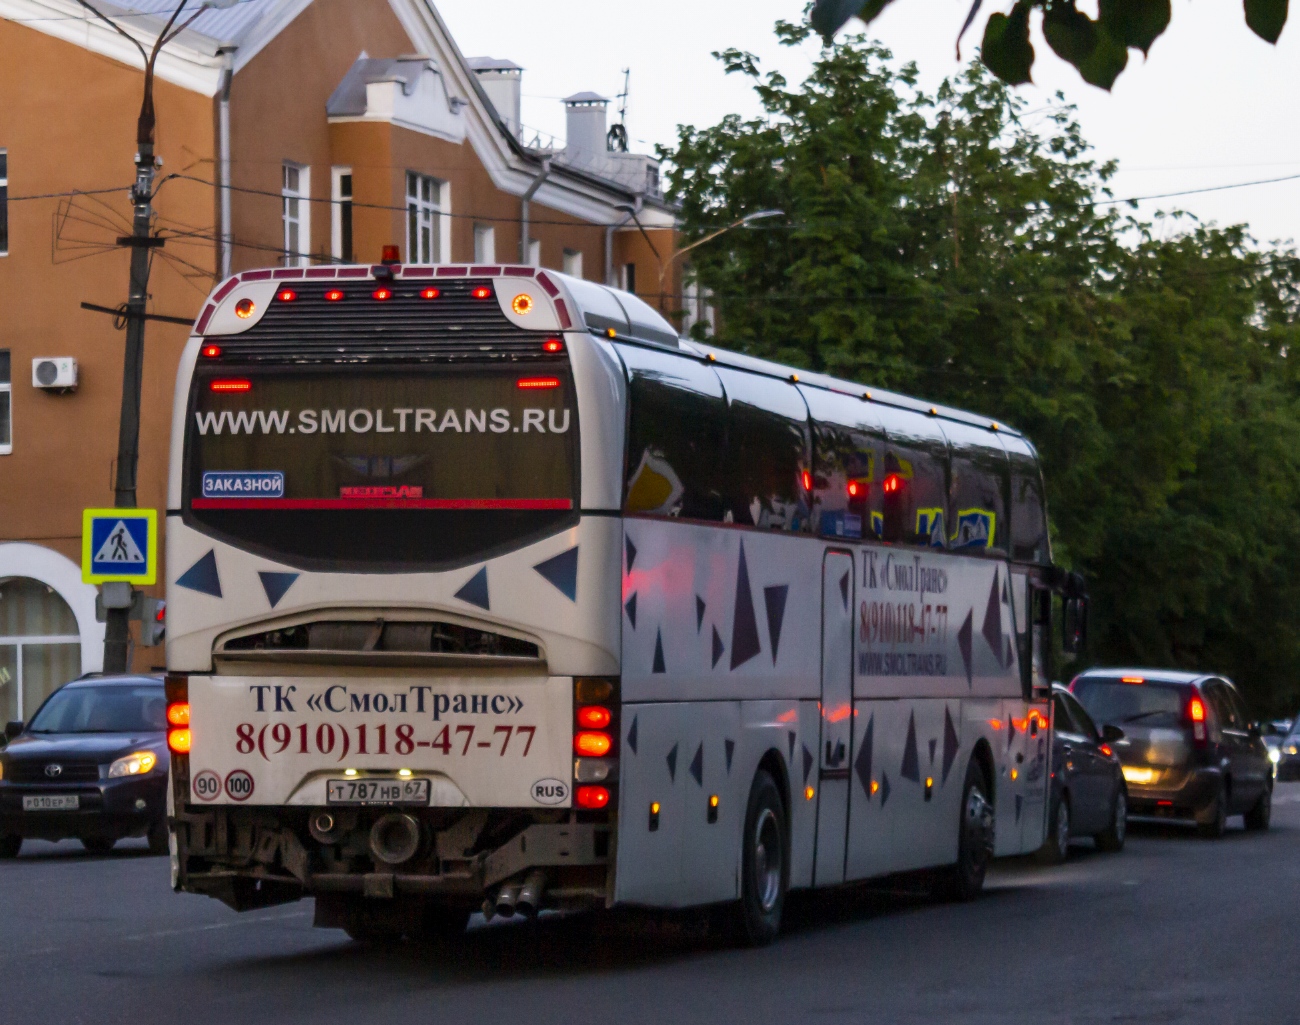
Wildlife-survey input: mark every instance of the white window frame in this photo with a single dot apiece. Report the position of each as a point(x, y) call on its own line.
point(485, 243)
point(573, 263)
point(340, 210)
point(296, 213)
point(6, 389)
point(4, 201)
point(427, 210)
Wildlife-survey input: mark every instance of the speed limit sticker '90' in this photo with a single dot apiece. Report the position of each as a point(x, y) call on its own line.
point(239, 785)
point(206, 785)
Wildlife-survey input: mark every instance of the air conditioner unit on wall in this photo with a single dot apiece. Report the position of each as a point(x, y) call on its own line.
point(54, 373)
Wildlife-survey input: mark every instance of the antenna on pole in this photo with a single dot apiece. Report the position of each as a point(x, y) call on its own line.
point(616, 138)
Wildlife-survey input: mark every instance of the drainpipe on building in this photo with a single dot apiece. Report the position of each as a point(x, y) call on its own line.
point(223, 160)
point(525, 241)
point(609, 243)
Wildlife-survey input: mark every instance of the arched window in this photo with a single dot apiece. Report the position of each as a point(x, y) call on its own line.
point(40, 646)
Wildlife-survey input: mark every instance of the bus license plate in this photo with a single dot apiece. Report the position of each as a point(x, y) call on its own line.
point(51, 802)
point(377, 791)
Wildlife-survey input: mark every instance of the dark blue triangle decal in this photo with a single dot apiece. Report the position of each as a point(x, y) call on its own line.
point(562, 571)
point(884, 788)
point(774, 598)
point(844, 590)
point(630, 609)
point(631, 552)
point(992, 628)
point(658, 666)
point(933, 744)
point(950, 743)
point(792, 739)
point(964, 645)
point(911, 767)
point(631, 735)
point(718, 647)
point(862, 765)
point(697, 766)
point(807, 763)
point(475, 591)
point(699, 613)
point(730, 747)
point(672, 764)
point(202, 576)
point(276, 585)
point(744, 627)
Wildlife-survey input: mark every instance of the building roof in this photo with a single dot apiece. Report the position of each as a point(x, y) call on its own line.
point(349, 99)
point(586, 97)
point(229, 26)
point(491, 64)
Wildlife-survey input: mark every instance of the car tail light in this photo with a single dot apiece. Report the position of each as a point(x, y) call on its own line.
point(592, 797)
point(1196, 716)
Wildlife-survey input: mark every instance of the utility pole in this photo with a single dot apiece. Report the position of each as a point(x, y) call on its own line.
point(117, 629)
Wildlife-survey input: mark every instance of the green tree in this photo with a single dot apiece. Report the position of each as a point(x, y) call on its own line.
point(963, 248)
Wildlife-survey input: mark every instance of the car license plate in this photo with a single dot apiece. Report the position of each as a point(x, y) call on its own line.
point(51, 802)
point(377, 791)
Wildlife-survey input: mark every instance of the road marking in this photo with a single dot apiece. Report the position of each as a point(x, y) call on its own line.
point(211, 926)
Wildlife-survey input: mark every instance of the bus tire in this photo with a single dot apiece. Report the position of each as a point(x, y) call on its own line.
point(765, 865)
point(964, 879)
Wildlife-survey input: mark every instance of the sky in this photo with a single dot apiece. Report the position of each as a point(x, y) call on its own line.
point(1209, 107)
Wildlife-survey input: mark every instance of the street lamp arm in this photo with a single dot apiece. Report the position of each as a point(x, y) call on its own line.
point(748, 218)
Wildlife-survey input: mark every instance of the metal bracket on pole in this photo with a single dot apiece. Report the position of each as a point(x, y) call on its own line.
point(126, 314)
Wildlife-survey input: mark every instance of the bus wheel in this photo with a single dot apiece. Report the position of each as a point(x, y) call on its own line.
point(965, 879)
point(765, 865)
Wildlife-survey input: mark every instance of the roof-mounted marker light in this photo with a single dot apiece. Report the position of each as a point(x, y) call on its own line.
point(391, 254)
point(430, 293)
point(522, 304)
point(286, 295)
point(244, 308)
point(552, 345)
point(333, 295)
point(231, 384)
point(610, 333)
point(382, 294)
point(533, 383)
point(482, 292)
point(1132, 679)
point(210, 351)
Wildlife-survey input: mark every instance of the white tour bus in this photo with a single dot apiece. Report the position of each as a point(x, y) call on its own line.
point(488, 591)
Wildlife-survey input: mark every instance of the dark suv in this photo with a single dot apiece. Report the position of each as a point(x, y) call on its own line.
point(1189, 751)
point(92, 765)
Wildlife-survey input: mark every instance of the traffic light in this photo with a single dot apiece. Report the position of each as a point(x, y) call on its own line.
point(153, 621)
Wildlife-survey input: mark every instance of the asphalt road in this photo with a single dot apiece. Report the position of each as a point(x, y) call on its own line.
point(1175, 929)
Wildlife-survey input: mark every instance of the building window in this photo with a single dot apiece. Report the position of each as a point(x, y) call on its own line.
point(40, 646)
point(424, 209)
point(4, 202)
point(573, 263)
point(534, 252)
point(297, 215)
point(6, 409)
point(485, 244)
point(629, 278)
point(341, 224)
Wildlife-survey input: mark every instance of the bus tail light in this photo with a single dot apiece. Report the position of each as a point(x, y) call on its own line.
point(592, 798)
point(552, 345)
point(333, 295)
point(592, 744)
point(522, 304)
point(286, 295)
point(382, 294)
point(531, 383)
point(482, 292)
point(231, 384)
point(595, 729)
point(178, 713)
point(179, 741)
point(210, 351)
point(430, 293)
point(244, 308)
point(594, 717)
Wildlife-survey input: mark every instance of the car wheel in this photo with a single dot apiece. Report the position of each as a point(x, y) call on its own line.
point(10, 846)
point(965, 879)
point(1112, 840)
point(1258, 817)
point(159, 837)
point(765, 865)
point(98, 844)
point(1056, 847)
point(1213, 822)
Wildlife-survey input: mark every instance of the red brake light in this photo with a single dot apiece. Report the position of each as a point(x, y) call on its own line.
point(537, 382)
point(286, 295)
point(430, 293)
point(1196, 710)
point(178, 713)
point(591, 744)
point(179, 740)
point(855, 489)
point(333, 295)
point(482, 292)
point(244, 308)
point(1106, 750)
point(229, 384)
point(211, 351)
point(807, 480)
point(592, 797)
point(891, 484)
point(594, 717)
point(552, 345)
point(381, 294)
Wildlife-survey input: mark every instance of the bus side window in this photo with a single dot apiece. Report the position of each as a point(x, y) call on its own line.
point(676, 436)
point(915, 483)
point(848, 465)
point(978, 487)
point(769, 452)
point(1029, 539)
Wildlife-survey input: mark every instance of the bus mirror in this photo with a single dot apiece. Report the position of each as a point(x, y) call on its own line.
point(1074, 625)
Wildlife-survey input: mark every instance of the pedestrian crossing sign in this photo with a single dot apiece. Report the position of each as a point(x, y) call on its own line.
point(119, 545)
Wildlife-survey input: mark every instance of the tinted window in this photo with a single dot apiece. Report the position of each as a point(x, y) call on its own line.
point(1220, 699)
point(1116, 702)
point(1080, 715)
point(1029, 539)
point(848, 465)
point(676, 436)
point(1061, 711)
point(915, 482)
point(979, 480)
point(768, 452)
point(115, 709)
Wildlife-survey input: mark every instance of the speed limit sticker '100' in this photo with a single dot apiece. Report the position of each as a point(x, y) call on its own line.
point(239, 785)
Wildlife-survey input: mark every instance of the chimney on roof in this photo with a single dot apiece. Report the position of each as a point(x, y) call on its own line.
point(502, 81)
point(585, 127)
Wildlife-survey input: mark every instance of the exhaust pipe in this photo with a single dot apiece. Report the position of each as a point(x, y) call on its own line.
point(529, 901)
point(395, 838)
point(507, 898)
point(325, 828)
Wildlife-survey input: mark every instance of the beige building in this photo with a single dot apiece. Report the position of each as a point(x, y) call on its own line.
point(291, 131)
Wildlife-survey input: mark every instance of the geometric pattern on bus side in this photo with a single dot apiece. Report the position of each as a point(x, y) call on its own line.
point(718, 647)
point(276, 585)
point(911, 768)
point(774, 598)
point(992, 628)
point(808, 760)
point(475, 590)
point(964, 646)
point(672, 764)
point(950, 743)
point(631, 552)
point(934, 743)
point(202, 576)
point(744, 628)
point(630, 609)
point(697, 765)
point(699, 613)
point(658, 666)
point(631, 735)
point(730, 746)
point(884, 788)
point(862, 765)
point(562, 571)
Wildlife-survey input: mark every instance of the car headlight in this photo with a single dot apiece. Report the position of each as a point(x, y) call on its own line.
point(1274, 754)
point(135, 764)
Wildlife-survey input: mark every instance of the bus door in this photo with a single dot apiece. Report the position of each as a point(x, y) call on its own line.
point(1031, 749)
point(835, 754)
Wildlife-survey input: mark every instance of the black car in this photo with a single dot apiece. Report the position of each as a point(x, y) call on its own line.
point(1288, 754)
point(1088, 794)
point(91, 765)
point(1189, 751)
